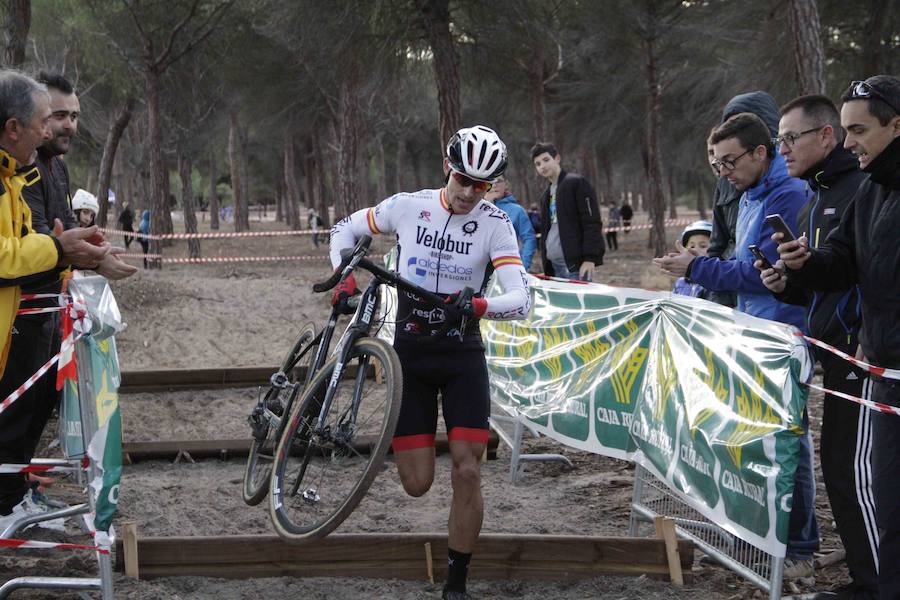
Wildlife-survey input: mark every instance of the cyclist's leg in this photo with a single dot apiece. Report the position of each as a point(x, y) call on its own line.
point(414, 436)
point(467, 406)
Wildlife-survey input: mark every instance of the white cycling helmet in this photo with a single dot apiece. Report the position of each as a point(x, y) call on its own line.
point(85, 200)
point(478, 153)
point(696, 227)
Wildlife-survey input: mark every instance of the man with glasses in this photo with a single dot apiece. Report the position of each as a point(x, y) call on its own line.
point(744, 155)
point(863, 251)
point(726, 197)
point(449, 239)
point(810, 140)
point(571, 227)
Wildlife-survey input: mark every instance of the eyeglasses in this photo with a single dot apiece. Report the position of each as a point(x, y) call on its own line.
point(861, 89)
point(477, 186)
point(728, 164)
point(791, 138)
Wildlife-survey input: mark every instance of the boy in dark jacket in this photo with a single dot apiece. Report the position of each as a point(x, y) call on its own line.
point(863, 251)
point(571, 227)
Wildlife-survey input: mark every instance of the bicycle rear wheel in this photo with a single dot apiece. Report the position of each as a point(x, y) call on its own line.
point(325, 463)
point(266, 417)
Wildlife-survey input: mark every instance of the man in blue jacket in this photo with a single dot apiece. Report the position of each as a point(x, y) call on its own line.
point(745, 155)
point(505, 201)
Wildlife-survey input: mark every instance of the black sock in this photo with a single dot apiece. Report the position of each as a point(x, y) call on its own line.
point(457, 570)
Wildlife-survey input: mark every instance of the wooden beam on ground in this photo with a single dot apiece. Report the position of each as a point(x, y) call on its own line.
point(402, 556)
point(193, 379)
point(164, 380)
point(170, 449)
point(665, 530)
point(130, 549)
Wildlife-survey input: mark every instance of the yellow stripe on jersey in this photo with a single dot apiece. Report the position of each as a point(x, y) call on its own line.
point(444, 202)
point(370, 218)
point(506, 260)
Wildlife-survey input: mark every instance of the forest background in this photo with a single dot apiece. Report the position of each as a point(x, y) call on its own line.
point(286, 105)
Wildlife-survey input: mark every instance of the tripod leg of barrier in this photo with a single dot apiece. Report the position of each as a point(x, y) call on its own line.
point(775, 580)
point(516, 449)
point(49, 583)
point(633, 517)
point(104, 561)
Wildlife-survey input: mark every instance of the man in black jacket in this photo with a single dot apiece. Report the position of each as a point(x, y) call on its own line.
point(725, 197)
point(571, 228)
point(863, 250)
point(809, 138)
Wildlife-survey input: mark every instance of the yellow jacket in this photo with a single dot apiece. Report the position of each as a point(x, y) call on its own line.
point(22, 252)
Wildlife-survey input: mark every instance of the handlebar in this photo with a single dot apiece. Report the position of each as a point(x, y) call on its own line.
point(356, 257)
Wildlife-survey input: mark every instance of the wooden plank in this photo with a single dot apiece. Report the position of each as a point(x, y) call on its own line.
point(130, 549)
point(665, 529)
point(169, 449)
point(185, 379)
point(499, 556)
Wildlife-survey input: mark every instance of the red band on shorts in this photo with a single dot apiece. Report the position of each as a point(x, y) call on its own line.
point(469, 434)
point(411, 442)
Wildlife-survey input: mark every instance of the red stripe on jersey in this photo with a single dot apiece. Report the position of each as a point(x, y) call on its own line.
point(506, 260)
point(370, 218)
point(444, 201)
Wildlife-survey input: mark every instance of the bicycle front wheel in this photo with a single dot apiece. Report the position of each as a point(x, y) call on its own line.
point(265, 420)
point(326, 459)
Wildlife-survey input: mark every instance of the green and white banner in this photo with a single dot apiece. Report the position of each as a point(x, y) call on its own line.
point(708, 399)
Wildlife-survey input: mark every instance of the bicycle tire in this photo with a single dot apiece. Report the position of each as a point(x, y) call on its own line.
point(257, 472)
point(331, 467)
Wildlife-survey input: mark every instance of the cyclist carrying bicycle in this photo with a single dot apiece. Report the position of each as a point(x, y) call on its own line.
point(449, 239)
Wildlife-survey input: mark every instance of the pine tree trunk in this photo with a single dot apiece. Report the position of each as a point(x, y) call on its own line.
point(809, 54)
point(234, 163)
point(109, 158)
point(213, 191)
point(655, 199)
point(187, 203)
point(435, 18)
point(348, 187)
point(538, 97)
point(872, 54)
point(18, 23)
point(673, 200)
point(291, 188)
point(701, 200)
point(159, 202)
point(381, 176)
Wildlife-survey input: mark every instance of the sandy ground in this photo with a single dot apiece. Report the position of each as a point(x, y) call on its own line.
point(247, 315)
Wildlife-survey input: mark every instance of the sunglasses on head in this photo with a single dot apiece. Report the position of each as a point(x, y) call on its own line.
point(862, 89)
point(477, 186)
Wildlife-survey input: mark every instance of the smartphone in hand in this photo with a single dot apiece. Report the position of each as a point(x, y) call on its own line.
point(777, 223)
point(755, 251)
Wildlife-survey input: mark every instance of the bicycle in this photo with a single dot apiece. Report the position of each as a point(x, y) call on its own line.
point(337, 435)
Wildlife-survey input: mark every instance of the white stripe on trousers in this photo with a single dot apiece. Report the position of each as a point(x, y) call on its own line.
point(862, 470)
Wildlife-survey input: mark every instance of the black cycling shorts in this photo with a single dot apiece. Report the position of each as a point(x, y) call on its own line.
point(460, 374)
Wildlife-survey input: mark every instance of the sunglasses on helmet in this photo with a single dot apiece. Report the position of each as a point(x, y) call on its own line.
point(477, 186)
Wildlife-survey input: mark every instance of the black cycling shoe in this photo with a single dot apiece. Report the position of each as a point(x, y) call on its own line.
point(454, 595)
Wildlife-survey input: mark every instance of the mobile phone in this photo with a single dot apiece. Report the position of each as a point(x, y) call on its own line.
point(777, 223)
point(755, 251)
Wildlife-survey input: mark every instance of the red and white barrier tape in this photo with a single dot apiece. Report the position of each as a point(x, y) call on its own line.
point(35, 311)
point(880, 371)
point(27, 544)
point(13, 469)
point(666, 223)
point(42, 296)
point(223, 259)
point(876, 406)
point(213, 234)
point(67, 345)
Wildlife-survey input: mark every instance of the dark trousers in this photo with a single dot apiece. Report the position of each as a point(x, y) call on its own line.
point(886, 471)
point(612, 241)
point(845, 449)
point(23, 422)
point(803, 530)
point(145, 248)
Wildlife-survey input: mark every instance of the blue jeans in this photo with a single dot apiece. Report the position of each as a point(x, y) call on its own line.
point(561, 270)
point(803, 531)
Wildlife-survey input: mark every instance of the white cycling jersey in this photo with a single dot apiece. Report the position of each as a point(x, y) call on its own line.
point(443, 252)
